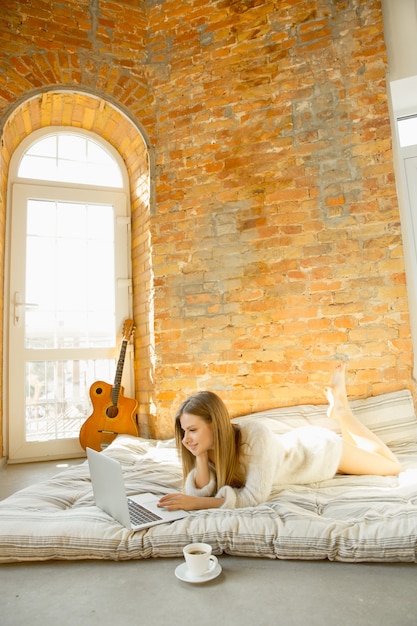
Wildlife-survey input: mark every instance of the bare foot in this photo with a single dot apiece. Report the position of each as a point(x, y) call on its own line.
point(336, 391)
point(339, 378)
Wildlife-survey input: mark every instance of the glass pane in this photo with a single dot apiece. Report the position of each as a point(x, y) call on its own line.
point(407, 129)
point(96, 154)
point(44, 147)
point(72, 147)
point(70, 275)
point(70, 158)
point(57, 396)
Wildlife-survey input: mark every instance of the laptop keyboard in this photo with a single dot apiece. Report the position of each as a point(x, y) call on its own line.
point(140, 515)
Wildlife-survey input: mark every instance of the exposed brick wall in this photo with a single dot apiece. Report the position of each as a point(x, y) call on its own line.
point(274, 232)
point(277, 242)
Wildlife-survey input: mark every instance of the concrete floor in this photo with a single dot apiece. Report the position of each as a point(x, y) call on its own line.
point(254, 592)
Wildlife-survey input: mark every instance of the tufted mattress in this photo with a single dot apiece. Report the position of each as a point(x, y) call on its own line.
point(351, 519)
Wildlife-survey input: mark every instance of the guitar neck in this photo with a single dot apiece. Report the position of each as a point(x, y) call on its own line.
point(115, 392)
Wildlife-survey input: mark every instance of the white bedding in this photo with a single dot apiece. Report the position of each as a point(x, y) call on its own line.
point(347, 518)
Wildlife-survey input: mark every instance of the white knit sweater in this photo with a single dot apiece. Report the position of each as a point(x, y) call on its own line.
point(304, 455)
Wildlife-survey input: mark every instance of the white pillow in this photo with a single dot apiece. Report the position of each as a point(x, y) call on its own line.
point(391, 416)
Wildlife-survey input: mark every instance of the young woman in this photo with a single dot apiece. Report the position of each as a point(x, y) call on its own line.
point(232, 466)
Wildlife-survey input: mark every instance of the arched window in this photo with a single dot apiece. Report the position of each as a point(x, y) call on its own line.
point(68, 157)
point(70, 285)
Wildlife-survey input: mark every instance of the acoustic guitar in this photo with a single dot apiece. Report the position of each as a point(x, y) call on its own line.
point(113, 414)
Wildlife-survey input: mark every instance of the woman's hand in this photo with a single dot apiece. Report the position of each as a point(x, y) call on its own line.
point(175, 501)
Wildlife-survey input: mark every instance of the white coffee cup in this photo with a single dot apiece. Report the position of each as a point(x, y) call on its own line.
point(199, 559)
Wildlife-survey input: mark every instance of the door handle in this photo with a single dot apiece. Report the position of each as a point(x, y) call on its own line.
point(17, 303)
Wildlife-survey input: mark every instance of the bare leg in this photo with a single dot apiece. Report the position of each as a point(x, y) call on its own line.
point(363, 451)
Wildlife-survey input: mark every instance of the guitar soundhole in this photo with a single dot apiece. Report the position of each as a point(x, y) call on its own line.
point(112, 411)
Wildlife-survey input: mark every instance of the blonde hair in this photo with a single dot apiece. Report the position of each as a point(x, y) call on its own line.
point(227, 438)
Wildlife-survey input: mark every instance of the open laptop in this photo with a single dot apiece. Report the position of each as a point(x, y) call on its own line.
point(135, 512)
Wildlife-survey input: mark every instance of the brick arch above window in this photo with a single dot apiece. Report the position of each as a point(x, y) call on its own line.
point(84, 111)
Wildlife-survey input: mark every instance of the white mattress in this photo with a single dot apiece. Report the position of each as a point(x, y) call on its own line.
point(349, 519)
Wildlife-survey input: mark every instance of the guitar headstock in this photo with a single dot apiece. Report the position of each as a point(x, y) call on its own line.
point(128, 329)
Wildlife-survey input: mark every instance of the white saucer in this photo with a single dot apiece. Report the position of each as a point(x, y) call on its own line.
point(183, 574)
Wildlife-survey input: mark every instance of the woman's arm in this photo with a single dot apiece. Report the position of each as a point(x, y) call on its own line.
point(200, 488)
point(202, 475)
point(175, 501)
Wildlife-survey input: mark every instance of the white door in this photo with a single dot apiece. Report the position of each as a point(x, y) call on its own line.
point(69, 294)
